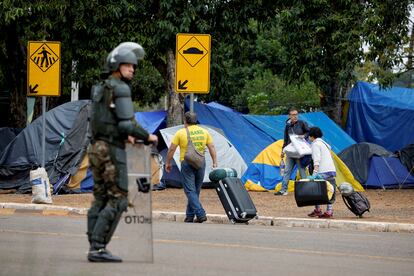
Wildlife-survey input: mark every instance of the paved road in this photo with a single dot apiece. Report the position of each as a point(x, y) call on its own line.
point(53, 245)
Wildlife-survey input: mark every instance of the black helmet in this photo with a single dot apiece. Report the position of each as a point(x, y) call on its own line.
point(126, 52)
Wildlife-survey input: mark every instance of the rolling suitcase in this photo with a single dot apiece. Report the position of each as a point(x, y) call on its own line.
point(357, 203)
point(236, 201)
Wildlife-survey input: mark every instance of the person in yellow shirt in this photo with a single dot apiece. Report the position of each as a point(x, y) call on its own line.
point(191, 177)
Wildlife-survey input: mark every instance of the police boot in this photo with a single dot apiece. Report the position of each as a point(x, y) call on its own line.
point(98, 253)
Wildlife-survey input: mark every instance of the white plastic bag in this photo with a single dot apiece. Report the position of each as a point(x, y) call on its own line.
point(301, 145)
point(291, 151)
point(40, 186)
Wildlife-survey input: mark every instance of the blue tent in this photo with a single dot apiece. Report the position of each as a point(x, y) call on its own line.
point(274, 126)
point(380, 115)
point(388, 172)
point(248, 140)
point(151, 121)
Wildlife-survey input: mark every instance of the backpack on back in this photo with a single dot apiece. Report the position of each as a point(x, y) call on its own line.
point(357, 203)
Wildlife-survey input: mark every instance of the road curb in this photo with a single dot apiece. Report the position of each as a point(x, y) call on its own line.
point(44, 209)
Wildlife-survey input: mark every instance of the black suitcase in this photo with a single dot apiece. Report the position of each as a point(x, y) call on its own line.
point(357, 203)
point(312, 192)
point(236, 201)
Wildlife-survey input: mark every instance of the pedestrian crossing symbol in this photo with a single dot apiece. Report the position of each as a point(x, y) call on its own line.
point(44, 57)
point(43, 68)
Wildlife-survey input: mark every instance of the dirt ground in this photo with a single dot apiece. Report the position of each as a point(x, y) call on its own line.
point(386, 205)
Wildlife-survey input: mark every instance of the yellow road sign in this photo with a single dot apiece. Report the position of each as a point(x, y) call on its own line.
point(43, 68)
point(192, 67)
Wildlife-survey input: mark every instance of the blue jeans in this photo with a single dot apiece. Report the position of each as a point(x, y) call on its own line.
point(192, 180)
point(289, 166)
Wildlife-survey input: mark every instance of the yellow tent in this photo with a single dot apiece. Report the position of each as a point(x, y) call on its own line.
point(270, 157)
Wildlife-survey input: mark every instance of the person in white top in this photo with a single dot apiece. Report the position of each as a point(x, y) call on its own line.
point(323, 167)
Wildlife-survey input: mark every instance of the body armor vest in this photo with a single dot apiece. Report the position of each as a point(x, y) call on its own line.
point(104, 122)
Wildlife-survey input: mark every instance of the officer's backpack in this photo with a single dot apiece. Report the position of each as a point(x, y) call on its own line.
point(357, 203)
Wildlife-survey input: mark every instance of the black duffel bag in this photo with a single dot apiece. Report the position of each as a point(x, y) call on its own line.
point(314, 192)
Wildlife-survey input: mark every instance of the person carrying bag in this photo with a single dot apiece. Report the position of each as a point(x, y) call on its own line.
point(192, 155)
point(296, 128)
point(192, 140)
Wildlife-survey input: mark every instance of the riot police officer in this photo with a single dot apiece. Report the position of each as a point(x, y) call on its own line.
point(112, 124)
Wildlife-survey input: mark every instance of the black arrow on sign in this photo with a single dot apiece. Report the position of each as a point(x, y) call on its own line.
point(182, 85)
point(33, 89)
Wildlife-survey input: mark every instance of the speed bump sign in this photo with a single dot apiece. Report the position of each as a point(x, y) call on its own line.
point(192, 68)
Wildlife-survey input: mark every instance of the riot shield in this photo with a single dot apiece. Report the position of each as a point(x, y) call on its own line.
point(133, 237)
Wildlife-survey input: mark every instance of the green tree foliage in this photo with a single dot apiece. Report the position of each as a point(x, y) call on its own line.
point(87, 30)
point(256, 45)
point(228, 23)
point(263, 89)
point(268, 94)
point(323, 40)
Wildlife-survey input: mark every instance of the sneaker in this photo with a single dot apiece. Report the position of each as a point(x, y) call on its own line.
point(326, 215)
point(315, 213)
point(200, 220)
point(158, 187)
point(189, 220)
point(281, 193)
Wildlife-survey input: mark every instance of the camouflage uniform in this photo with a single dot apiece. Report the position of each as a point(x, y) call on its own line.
point(112, 121)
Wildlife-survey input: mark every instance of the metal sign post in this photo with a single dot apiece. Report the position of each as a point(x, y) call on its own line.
point(43, 131)
point(43, 77)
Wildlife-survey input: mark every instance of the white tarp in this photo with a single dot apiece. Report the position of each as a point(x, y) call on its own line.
point(227, 154)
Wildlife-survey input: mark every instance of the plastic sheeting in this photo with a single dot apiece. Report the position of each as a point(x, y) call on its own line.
point(66, 139)
point(220, 106)
point(248, 140)
point(274, 126)
point(380, 115)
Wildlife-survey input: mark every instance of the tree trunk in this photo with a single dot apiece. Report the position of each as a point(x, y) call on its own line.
point(175, 100)
point(410, 57)
point(331, 102)
point(16, 77)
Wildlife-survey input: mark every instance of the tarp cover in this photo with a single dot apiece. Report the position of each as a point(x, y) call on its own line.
point(248, 140)
point(274, 126)
point(220, 106)
point(357, 158)
point(380, 115)
point(66, 140)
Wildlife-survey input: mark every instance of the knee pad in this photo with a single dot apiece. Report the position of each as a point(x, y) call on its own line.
point(109, 213)
point(95, 208)
point(122, 204)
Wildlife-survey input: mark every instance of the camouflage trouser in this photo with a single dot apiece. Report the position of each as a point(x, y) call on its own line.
point(108, 164)
point(109, 169)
